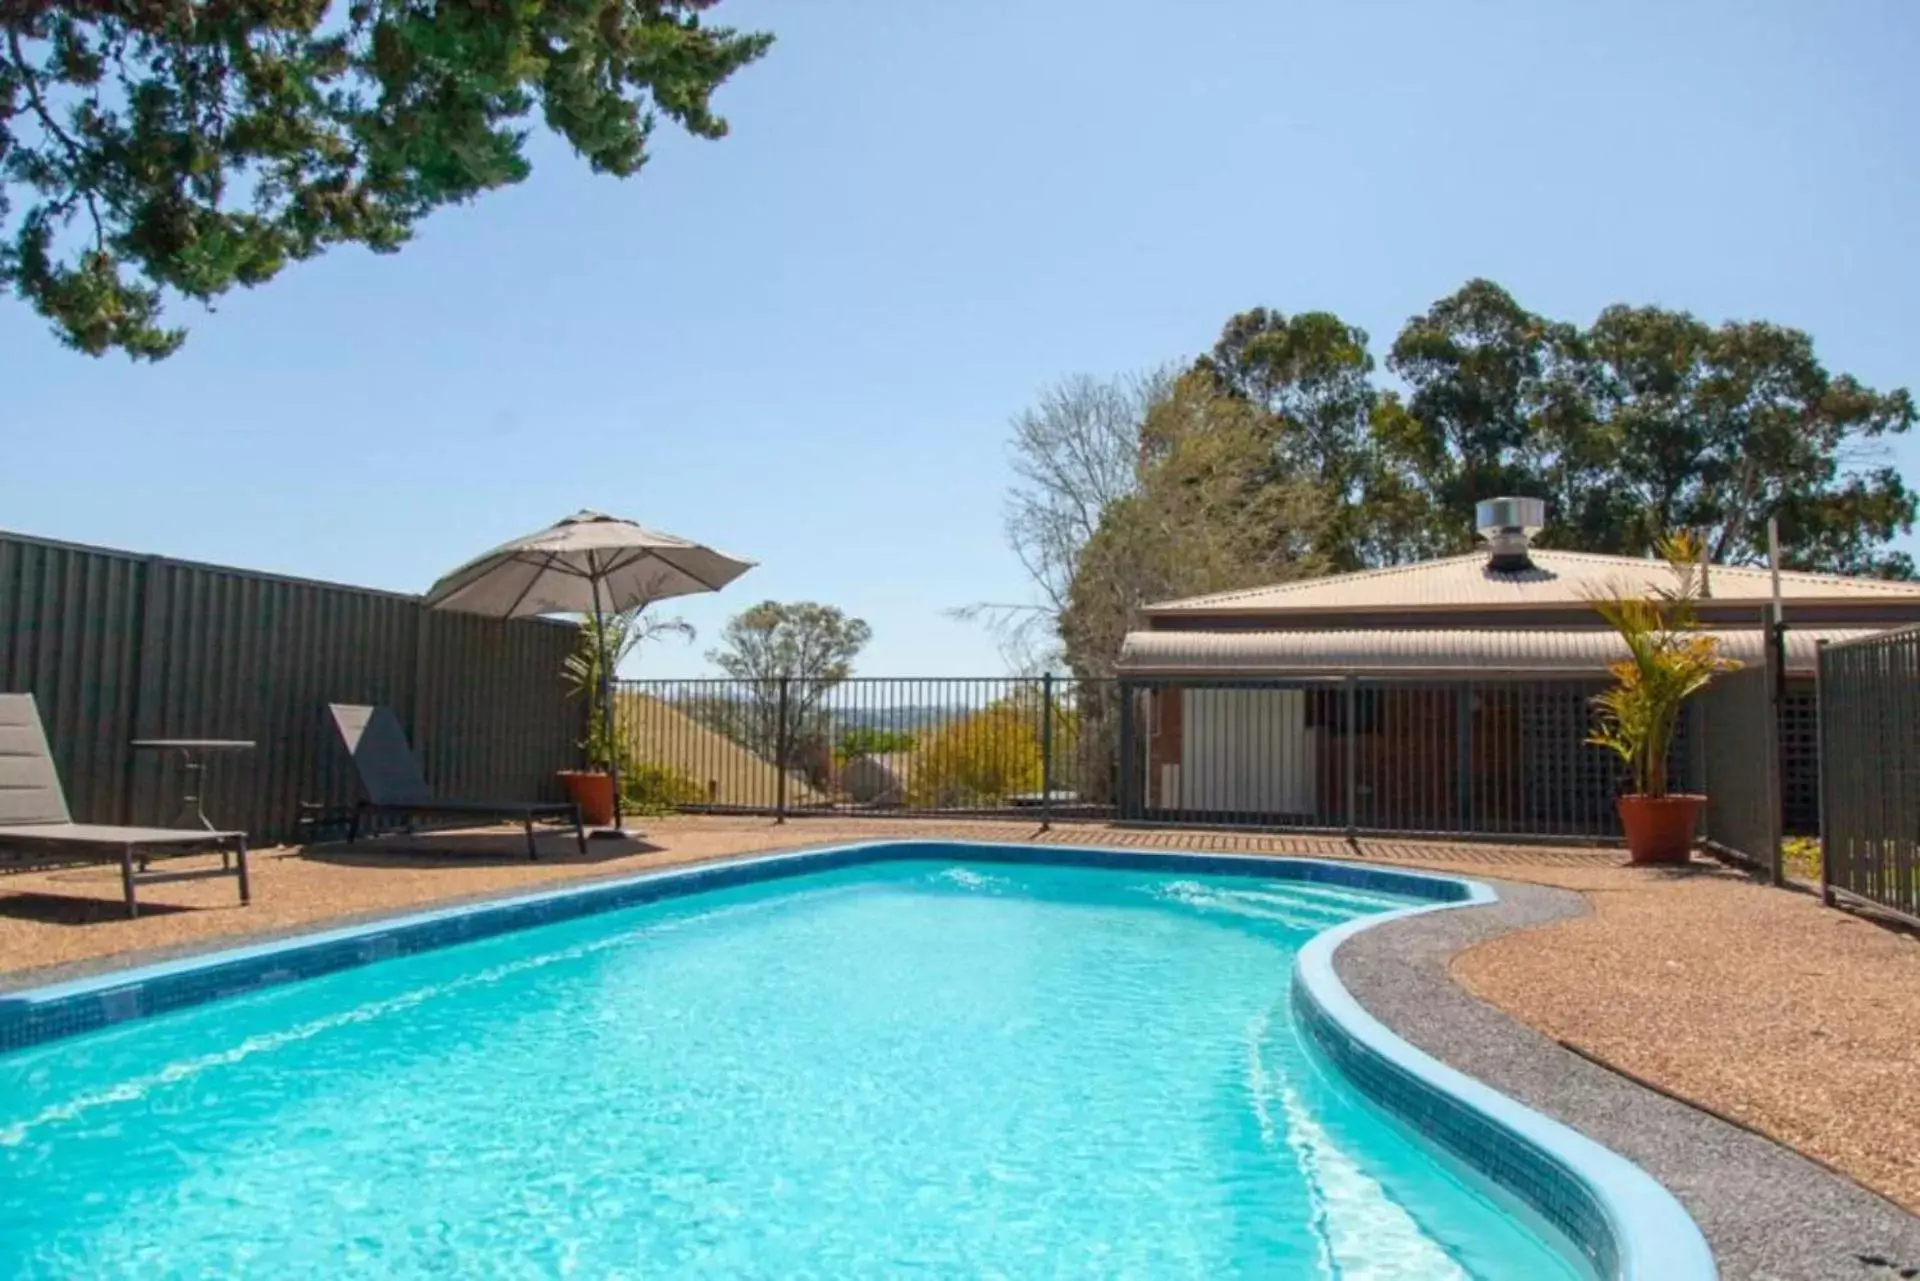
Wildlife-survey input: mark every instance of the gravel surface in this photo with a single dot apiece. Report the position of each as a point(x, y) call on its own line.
point(1766, 1211)
point(1800, 1021)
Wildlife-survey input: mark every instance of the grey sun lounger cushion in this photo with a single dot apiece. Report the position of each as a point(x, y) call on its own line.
point(391, 778)
point(30, 789)
point(33, 807)
point(109, 834)
point(389, 773)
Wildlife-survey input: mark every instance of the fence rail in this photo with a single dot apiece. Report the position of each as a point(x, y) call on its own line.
point(1870, 772)
point(117, 646)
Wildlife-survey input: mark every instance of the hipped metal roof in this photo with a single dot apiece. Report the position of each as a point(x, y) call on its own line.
point(1557, 579)
point(1412, 652)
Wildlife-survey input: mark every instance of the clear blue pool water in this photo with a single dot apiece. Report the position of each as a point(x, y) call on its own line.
point(913, 1068)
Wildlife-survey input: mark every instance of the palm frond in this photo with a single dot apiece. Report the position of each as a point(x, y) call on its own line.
point(1669, 660)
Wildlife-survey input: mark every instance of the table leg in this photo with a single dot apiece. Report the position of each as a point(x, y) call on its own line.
point(192, 804)
point(188, 798)
point(191, 815)
point(126, 880)
point(246, 891)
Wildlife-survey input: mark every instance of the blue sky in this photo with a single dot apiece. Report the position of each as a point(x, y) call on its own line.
point(803, 343)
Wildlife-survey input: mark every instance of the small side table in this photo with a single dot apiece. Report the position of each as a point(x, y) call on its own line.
point(193, 759)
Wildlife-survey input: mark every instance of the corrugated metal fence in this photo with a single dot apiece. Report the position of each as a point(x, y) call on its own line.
point(117, 646)
point(1870, 772)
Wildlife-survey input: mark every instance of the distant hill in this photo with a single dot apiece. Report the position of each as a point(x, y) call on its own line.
point(727, 772)
point(919, 718)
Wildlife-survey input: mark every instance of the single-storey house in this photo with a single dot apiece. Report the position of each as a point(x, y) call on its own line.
point(1449, 695)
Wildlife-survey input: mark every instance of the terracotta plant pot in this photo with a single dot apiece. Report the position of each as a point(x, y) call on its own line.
point(592, 791)
point(1660, 828)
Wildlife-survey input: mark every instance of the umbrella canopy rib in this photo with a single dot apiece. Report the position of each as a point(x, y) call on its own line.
point(533, 578)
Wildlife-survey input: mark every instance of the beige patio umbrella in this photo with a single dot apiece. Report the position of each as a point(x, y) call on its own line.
point(589, 563)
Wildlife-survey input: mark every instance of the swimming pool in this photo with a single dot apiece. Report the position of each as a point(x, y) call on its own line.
point(931, 1063)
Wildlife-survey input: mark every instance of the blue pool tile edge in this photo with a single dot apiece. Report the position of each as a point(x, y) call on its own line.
point(1627, 1224)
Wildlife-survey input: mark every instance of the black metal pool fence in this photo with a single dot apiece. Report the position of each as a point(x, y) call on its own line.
point(1455, 758)
point(950, 746)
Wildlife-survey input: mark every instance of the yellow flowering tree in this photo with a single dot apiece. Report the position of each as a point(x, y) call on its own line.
point(981, 759)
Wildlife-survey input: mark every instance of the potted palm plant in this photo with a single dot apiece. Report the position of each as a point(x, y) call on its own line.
point(1669, 660)
point(609, 637)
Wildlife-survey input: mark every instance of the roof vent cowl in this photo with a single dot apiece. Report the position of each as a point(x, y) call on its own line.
point(1508, 525)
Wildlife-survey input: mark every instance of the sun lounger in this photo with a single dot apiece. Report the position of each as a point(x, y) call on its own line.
point(391, 778)
point(37, 827)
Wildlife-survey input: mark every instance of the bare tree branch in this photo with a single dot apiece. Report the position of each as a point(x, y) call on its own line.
point(1074, 453)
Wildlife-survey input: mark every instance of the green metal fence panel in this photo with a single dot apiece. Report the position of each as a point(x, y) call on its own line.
point(1870, 771)
point(1740, 766)
point(117, 647)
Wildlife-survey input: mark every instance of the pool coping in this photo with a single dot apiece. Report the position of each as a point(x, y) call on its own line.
point(1627, 1224)
point(1766, 1209)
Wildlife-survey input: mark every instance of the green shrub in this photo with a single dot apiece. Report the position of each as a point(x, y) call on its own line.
point(865, 740)
point(1801, 857)
point(658, 789)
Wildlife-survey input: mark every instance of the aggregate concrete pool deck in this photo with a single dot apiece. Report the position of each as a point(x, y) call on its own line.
point(1769, 1213)
point(1798, 1020)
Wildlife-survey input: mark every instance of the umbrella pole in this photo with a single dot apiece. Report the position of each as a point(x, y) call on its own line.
point(606, 693)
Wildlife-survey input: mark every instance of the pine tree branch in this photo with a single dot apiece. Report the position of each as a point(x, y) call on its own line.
point(30, 77)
